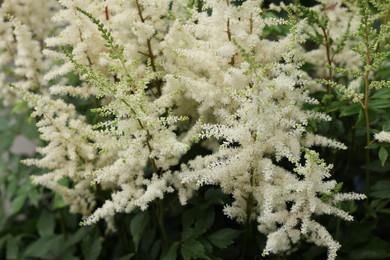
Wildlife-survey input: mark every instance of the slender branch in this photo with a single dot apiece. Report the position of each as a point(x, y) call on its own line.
point(229, 33)
point(85, 51)
point(160, 220)
point(139, 11)
point(328, 56)
point(366, 99)
point(106, 12)
point(149, 137)
point(329, 59)
point(251, 24)
point(150, 53)
point(62, 224)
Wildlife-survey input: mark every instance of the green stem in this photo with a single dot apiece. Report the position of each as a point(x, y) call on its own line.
point(161, 224)
point(367, 151)
point(328, 56)
point(63, 225)
point(158, 209)
point(365, 104)
point(367, 93)
point(150, 53)
point(338, 223)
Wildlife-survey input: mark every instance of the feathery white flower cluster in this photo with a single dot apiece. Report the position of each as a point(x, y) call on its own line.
point(259, 121)
point(24, 24)
point(68, 156)
point(161, 74)
point(382, 136)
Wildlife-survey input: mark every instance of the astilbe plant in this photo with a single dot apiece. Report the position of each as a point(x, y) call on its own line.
point(164, 76)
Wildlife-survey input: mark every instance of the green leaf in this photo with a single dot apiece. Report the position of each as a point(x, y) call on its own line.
point(12, 248)
point(209, 248)
point(54, 247)
point(58, 202)
point(188, 217)
point(46, 224)
point(21, 105)
point(29, 129)
point(6, 141)
point(193, 249)
point(224, 237)
point(349, 206)
point(12, 186)
point(3, 240)
point(361, 119)
point(190, 232)
point(149, 235)
point(373, 146)
point(361, 233)
point(336, 105)
point(383, 154)
point(384, 211)
point(215, 196)
point(376, 249)
point(34, 196)
point(379, 103)
point(154, 251)
point(381, 190)
point(350, 110)
point(376, 166)
point(138, 225)
point(204, 220)
point(91, 247)
point(76, 237)
point(17, 204)
point(126, 257)
point(386, 126)
point(314, 252)
point(3, 124)
point(172, 252)
point(381, 94)
point(41, 247)
point(377, 205)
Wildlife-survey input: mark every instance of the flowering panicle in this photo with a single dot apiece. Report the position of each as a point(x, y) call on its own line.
point(35, 14)
point(76, 33)
point(22, 31)
point(259, 120)
point(68, 156)
point(137, 128)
